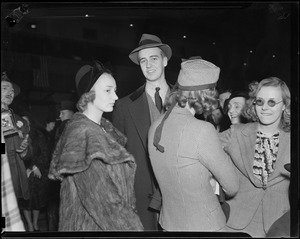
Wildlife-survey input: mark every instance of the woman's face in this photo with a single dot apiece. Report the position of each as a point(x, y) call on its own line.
point(105, 93)
point(267, 114)
point(235, 107)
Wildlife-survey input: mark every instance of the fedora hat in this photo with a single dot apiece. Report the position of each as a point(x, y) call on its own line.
point(150, 41)
point(67, 105)
point(16, 88)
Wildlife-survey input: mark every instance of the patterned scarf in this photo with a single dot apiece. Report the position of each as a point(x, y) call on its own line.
point(266, 150)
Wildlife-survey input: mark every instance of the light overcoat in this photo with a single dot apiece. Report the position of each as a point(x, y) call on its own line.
point(192, 156)
point(239, 143)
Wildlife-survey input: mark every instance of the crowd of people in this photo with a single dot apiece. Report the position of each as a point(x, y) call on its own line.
point(182, 157)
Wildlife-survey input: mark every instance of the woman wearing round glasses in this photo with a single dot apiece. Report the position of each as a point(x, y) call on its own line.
point(259, 151)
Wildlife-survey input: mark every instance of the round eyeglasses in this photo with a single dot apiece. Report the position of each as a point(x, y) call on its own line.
point(261, 102)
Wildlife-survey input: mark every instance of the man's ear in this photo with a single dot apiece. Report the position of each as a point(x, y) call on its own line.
point(165, 61)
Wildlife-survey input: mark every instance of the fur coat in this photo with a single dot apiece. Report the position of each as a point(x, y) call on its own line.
point(97, 176)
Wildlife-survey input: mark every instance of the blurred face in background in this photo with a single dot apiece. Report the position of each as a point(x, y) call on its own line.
point(66, 114)
point(7, 94)
point(217, 116)
point(272, 106)
point(235, 106)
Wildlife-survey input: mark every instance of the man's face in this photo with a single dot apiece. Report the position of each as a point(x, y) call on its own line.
point(152, 63)
point(7, 93)
point(65, 114)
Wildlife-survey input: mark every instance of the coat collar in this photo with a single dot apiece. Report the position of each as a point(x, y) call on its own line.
point(137, 93)
point(250, 130)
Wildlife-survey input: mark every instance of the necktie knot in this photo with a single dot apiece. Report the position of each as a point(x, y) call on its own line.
point(158, 100)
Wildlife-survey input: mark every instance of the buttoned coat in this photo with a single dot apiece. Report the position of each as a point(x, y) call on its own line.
point(239, 143)
point(131, 116)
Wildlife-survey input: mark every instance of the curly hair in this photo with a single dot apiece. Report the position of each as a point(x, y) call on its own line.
point(254, 87)
point(203, 101)
point(85, 99)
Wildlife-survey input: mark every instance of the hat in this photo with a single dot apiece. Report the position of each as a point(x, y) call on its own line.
point(150, 41)
point(87, 75)
point(67, 105)
point(16, 88)
point(195, 74)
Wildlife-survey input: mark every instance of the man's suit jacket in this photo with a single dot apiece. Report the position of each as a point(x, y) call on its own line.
point(239, 143)
point(132, 117)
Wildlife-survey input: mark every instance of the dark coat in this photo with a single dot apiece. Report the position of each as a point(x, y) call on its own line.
point(16, 162)
point(38, 186)
point(97, 178)
point(132, 117)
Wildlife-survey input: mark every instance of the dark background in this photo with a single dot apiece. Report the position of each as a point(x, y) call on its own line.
point(248, 41)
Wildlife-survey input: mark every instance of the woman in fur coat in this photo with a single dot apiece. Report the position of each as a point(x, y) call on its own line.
point(96, 171)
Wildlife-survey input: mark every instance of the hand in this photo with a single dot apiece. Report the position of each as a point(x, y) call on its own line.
point(37, 172)
point(55, 178)
point(28, 172)
point(24, 145)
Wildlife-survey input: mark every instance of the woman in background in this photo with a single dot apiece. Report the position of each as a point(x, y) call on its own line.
point(234, 106)
point(37, 171)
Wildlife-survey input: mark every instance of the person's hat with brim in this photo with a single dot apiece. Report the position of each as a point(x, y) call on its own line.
point(16, 88)
point(150, 41)
point(87, 76)
point(195, 74)
point(67, 105)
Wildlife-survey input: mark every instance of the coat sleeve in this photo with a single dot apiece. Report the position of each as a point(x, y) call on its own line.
point(217, 161)
point(103, 203)
point(118, 117)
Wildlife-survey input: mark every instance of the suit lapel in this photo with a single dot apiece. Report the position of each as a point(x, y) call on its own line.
point(139, 111)
point(248, 152)
point(282, 157)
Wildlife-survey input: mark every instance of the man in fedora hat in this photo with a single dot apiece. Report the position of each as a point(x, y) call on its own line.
point(17, 141)
point(134, 114)
point(66, 111)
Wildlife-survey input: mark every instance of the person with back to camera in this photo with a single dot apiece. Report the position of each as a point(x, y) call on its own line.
point(97, 173)
point(186, 154)
point(259, 151)
point(133, 115)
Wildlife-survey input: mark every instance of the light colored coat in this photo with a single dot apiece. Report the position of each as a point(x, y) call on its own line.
point(239, 142)
point(193, 154)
